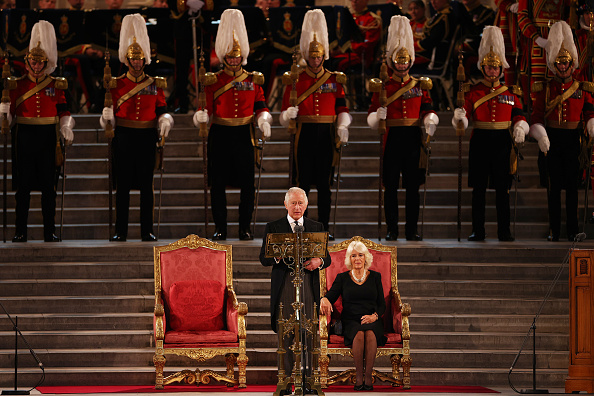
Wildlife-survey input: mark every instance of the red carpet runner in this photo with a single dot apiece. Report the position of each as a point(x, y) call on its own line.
point(251, 388)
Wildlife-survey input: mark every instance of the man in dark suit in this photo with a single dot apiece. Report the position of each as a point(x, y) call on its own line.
point(281, 289)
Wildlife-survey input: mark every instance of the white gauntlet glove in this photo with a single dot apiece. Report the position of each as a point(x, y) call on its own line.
point(343, 120)
point(165, 124)
point(459, 115)
point(107, 117)
point(264, 120)
point(538, 132)
point(66, 125)
point(374, 118)
point(289, 114)
point(514, 8)
point(200, 117)
point(590, 127)
point(521, 129)
point(430, 121)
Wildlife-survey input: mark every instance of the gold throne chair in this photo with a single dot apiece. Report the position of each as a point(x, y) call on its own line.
point(197, 314)
point(396, 325)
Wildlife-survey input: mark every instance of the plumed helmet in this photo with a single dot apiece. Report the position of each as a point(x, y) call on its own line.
point(42, 46)
point(314, 35)
point(560, 46)
point(134, 40)
point(400, 47)
point(232, 38)
point(492, 49)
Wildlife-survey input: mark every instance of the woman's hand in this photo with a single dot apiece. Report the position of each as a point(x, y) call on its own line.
point(325, 307)
point(369, 318)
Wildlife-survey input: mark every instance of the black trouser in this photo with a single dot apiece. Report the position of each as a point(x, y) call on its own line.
point(134, 162)
point(315, 152)
point(401, 155)
point(34, 156)
point(563, 168)
point(231, 163)
point(488, 167)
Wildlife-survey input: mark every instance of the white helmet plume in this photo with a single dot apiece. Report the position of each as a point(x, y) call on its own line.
point(134, 28)
point(492, 40)
point(400, 36)
point(232, 26)
point(314, 23)
point(44, 36)
point(560, 36)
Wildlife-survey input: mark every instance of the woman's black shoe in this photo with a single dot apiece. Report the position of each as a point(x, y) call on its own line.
point(359, 387)
point(368, 387)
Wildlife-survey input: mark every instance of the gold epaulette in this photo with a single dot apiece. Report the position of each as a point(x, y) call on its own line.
point(537, 86)
point(122, 76)
point(160, 82)
point(426, 83)
point(12, 82)
point(516, 90)
point(60, 82)
point(287, 76)
point(210, 78)
point(257, 77)
point(588, 86)
point(375, 85)
point(341, 78)
point(466, 87)
point(113, 83)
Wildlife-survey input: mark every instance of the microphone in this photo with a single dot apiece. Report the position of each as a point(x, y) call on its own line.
point(299, 228)
point(580, 237)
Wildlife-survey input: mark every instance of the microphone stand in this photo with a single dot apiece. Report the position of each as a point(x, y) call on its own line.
point(16, 359)
point(578, 238)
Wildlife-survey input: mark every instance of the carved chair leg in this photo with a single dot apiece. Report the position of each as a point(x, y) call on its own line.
point(406, 363)
point(159, 361)
point(324, 362)
point(242, 362)
point(230, 360)
point(395, 359)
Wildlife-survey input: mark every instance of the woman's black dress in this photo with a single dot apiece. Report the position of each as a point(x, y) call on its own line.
point(359, 300)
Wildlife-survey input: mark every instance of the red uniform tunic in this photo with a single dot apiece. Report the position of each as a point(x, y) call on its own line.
point(418, 27)
point(43, 107)
point(499, 112)
point(508, 23)
point(584, 62)
point(143, 108)
point(566, 115)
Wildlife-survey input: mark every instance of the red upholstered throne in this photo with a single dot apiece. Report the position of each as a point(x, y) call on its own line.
point(396, 326)
point(197, 314)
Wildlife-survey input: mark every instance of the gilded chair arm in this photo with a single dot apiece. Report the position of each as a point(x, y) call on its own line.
point(235, 315)
point(159, 321)
point(323, 319)
point(406, 310)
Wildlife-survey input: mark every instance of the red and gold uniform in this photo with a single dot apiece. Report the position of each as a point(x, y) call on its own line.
point(584, 61)
point(233, 102)
point(494, 108)
point(507, 21)
point(138, 103)
point(370, 25)
point(563, 107)
point(534, 20)
point(37, 106)
point(316, 139)
point(402, 147)
point(417, 28)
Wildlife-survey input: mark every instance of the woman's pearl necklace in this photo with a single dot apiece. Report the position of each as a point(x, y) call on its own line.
point(362, 278)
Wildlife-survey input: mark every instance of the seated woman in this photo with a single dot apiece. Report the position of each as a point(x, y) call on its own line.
point(363, 306)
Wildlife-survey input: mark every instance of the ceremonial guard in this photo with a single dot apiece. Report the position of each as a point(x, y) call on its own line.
point(140, 119)
point(562, 106)
point(408, 107)
point(507, 20)
point(439, 30)
point(584, 39)
point(39, 113)
point(494, 109)
point(233, 96)
point(320, 111)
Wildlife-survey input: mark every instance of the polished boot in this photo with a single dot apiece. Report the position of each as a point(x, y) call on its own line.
point(118, 238)
point(150, 237)
point(51, 238)
point(245, 234)
point(413, 237)
point(18, 237)
point(219, 235)
point(476, 237)
point(391, 236)
point(553, 238)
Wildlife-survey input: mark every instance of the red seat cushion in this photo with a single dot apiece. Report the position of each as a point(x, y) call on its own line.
point(196, 305)
point(205, 339)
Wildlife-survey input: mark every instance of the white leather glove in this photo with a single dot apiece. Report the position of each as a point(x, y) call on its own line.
point(521, 129)
point(343, 134)
point(541, 42)
point(264, 119)
point(107, 117)
point(430, 121)
point(66, 125)
point(459, 115)
point(590, 127)
point(538, 132)
point(382, 112)
point(289, 114)
point(194, 6)
point(343, 120)
point(200, 117)
point(165, 124)
point(513, 8)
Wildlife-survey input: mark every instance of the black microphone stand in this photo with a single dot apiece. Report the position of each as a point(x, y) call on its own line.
point(18, 333)
point(578, 238)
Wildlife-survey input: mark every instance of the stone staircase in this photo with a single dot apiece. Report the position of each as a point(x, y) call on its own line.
point(85, 305)
point(86, 197)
